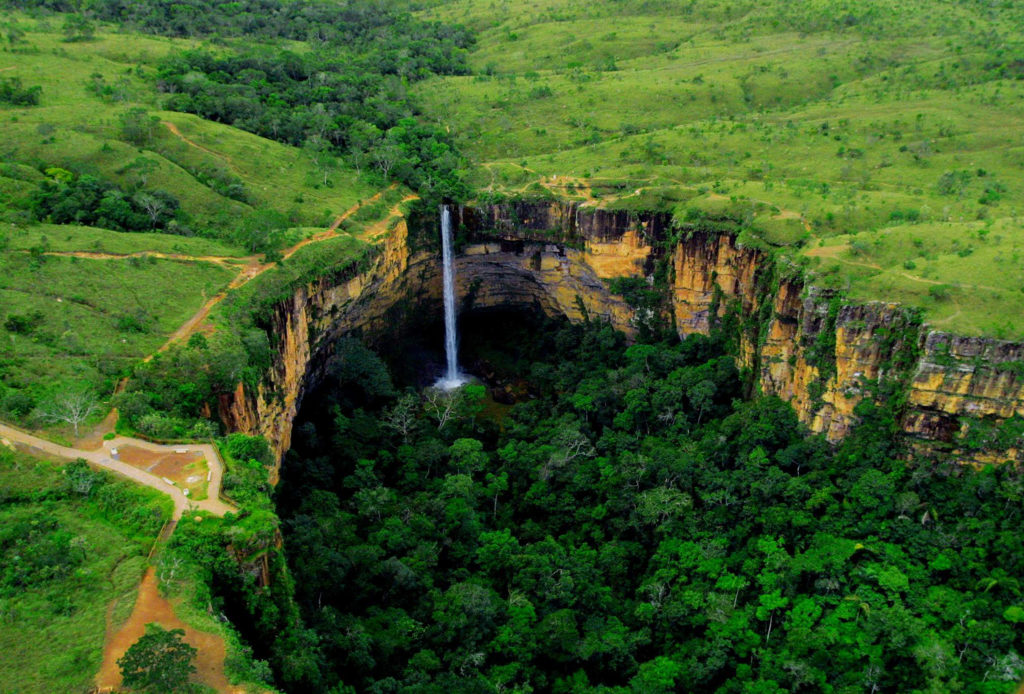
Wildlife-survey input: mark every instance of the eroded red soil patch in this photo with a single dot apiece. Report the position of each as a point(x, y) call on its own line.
point(184, 469)
point(151, 607)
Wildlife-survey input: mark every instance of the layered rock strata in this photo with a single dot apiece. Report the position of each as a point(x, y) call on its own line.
point(801, 344)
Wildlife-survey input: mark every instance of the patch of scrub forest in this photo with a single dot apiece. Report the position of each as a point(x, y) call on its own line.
point(634, 523)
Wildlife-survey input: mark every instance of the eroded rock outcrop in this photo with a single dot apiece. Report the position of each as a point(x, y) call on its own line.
point(960, 380)
point(800, 343)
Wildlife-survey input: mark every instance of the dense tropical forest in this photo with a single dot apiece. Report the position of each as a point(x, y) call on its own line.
point(634, 523)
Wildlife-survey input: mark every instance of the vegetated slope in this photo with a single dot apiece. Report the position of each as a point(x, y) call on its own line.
point(89, 87)
point(71, 319)
point(86, 146)
point(74, 545)
point(799, 121)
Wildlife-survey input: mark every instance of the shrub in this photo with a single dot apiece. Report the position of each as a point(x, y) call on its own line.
point(13, 93)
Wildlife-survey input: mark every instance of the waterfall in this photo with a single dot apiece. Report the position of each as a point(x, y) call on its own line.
point(452, 378)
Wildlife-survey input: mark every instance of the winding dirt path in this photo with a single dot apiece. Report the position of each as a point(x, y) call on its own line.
point(254, 268)
point(104, 458)
point(370, 233)
point(351, 211)
point(99, 255)
point(150, 606)
point(178, 134)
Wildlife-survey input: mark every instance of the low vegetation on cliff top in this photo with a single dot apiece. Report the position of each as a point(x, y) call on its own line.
point(862, 126)
point(73, 545)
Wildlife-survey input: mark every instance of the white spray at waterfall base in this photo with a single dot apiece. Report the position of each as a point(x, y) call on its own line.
point(453, 378)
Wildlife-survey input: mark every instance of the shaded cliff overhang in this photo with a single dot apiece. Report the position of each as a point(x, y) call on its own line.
point(808, 346)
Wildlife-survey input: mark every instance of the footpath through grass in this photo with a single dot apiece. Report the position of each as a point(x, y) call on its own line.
point(69, 322)
point(69, 238)
point(68, 319)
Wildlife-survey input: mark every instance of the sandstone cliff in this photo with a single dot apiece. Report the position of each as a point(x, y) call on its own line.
point(801, 344)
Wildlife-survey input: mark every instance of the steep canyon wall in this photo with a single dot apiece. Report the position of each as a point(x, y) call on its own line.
point(802, 344)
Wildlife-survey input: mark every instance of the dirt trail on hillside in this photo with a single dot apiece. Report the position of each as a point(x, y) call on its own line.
point(100, 255)
point(177, 133)
point(332, 230)
point(254, 268)
point(355, 208)
point(186, 329)
point(370, 233)
point(106, 458)
point(151, 607)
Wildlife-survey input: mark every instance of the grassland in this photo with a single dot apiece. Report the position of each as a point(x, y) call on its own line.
point(69, 238)
point(87, 86)
point(803, 121)
point(52, 635)
point(85, 320)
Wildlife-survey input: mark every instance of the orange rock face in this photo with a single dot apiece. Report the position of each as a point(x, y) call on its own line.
point(557, 257)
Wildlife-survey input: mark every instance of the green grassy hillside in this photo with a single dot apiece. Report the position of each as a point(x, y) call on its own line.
point(803, 121)
point(83, 322)
point(88, 86)
point(84, 319)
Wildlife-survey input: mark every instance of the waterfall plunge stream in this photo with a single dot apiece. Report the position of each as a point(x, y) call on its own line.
point(453, 378)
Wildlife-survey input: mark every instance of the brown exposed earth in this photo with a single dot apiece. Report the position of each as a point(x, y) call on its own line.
point(187, 470)
point(151, 607)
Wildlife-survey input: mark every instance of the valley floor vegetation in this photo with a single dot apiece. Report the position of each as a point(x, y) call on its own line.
point(635, 524)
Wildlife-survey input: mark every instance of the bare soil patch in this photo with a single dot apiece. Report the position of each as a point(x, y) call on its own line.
point(186, 470)
point(151, 607)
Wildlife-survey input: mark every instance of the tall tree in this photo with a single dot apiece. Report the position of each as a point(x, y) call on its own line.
point(160, 661)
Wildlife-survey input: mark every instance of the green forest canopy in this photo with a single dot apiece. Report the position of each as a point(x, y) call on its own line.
point(638, 526)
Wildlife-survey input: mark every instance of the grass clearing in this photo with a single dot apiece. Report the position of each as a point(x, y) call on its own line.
point(75, 127)
point(65, 238)
point(803, 122)
point(87, 320)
